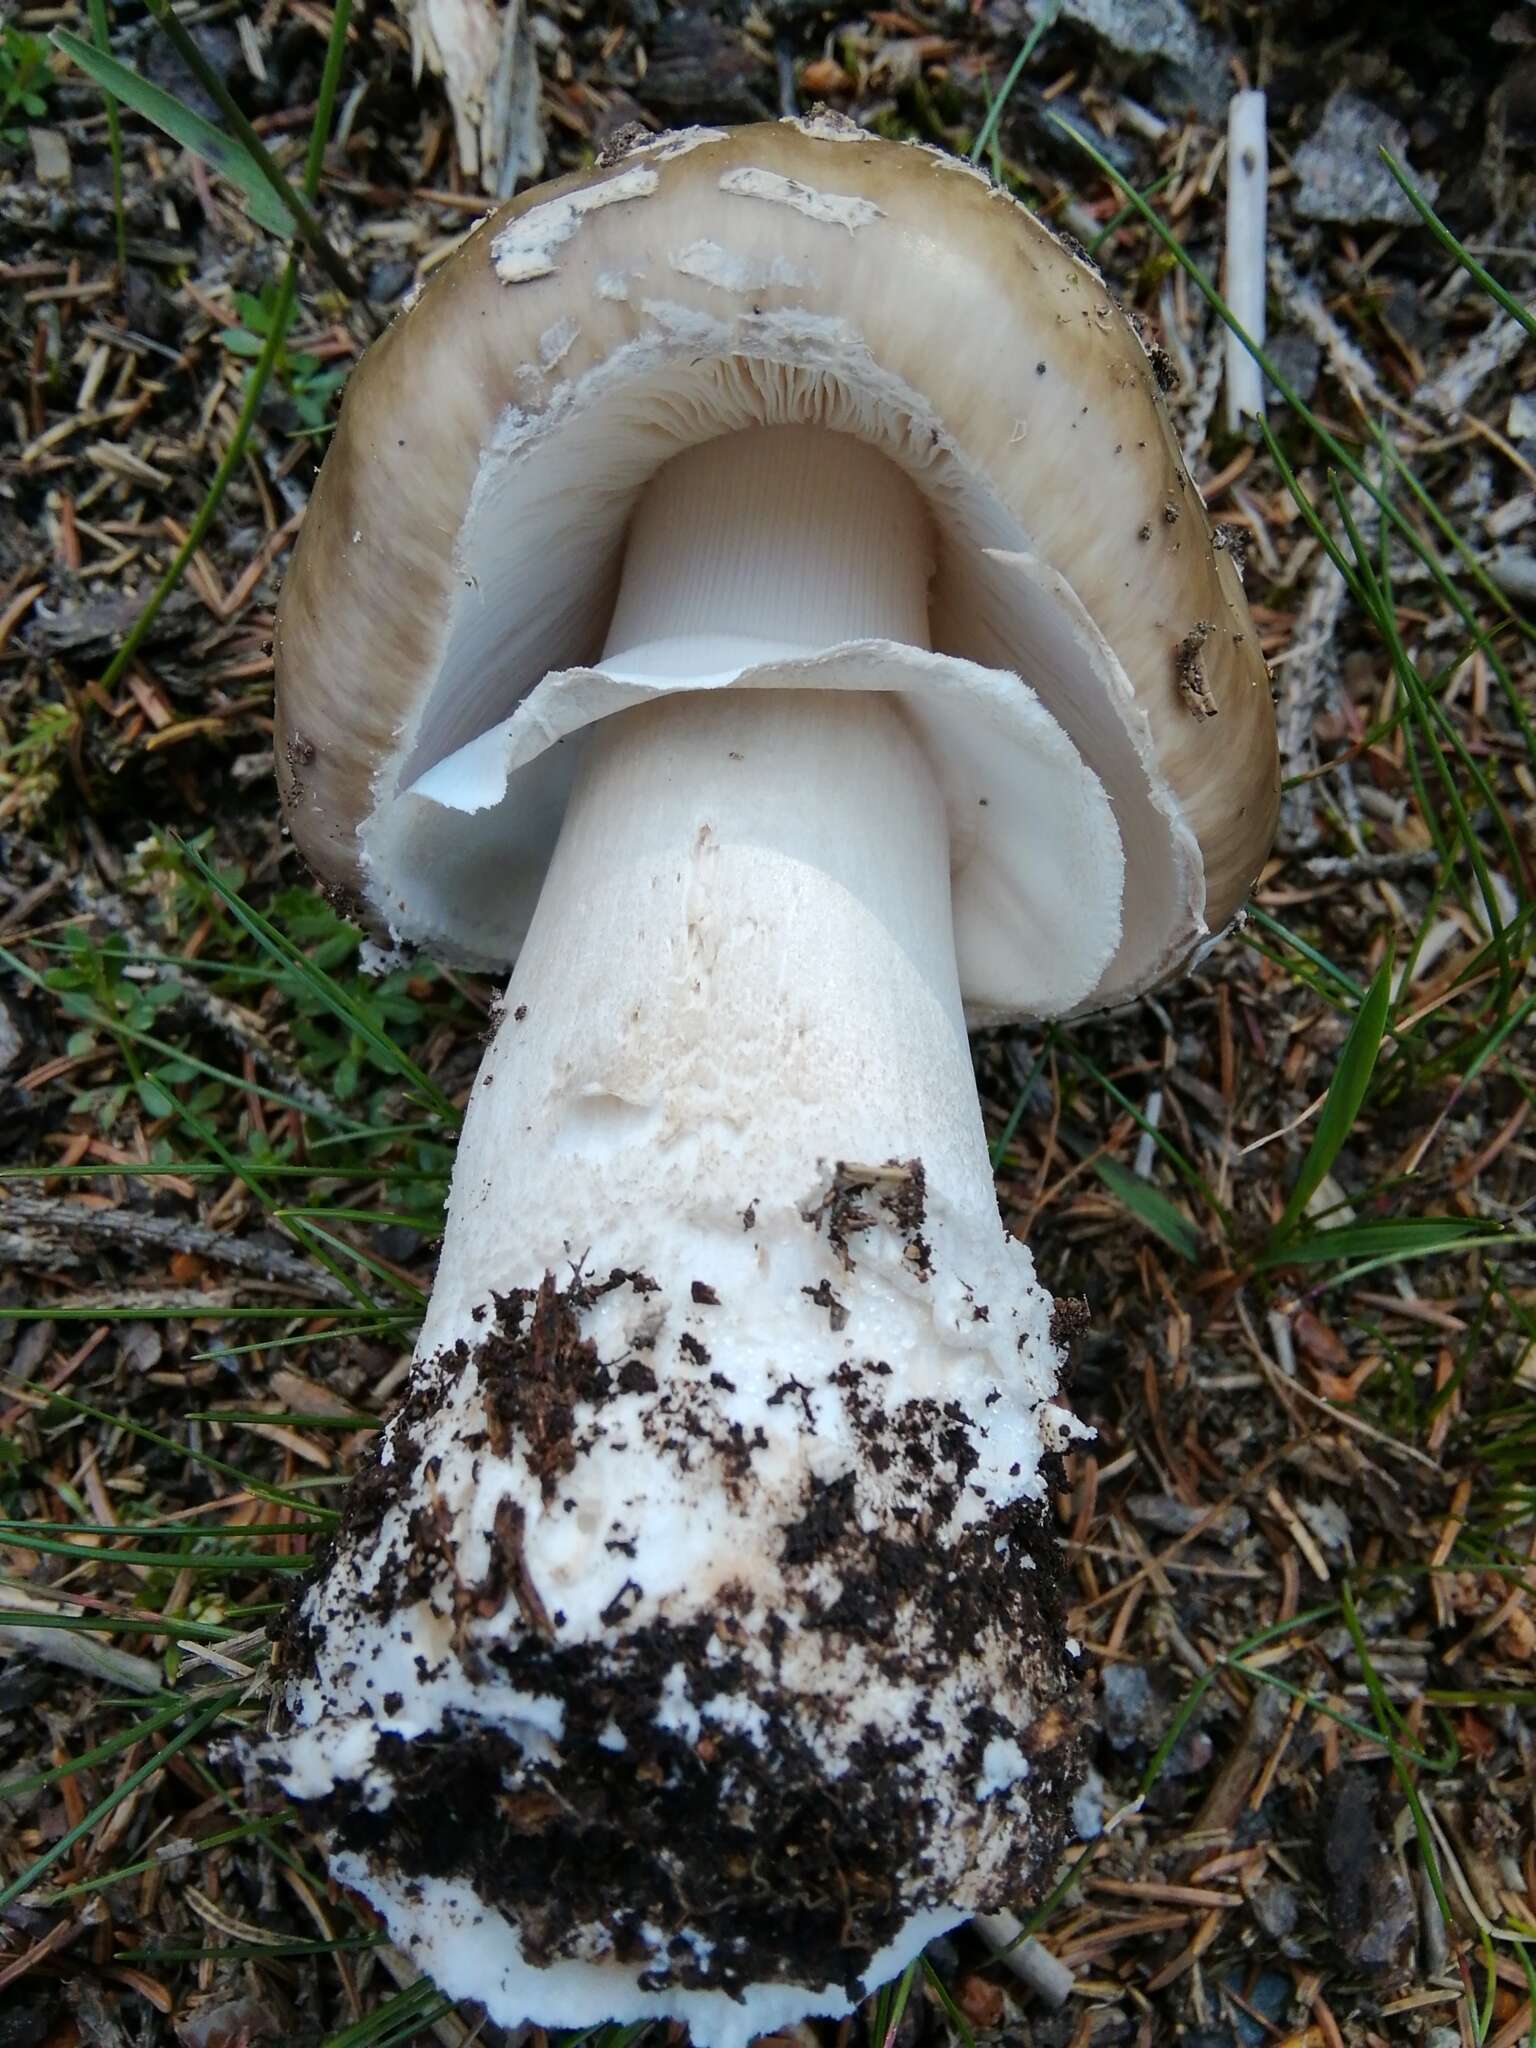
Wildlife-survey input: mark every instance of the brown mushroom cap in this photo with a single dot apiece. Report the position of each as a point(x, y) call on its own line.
point(466, 529)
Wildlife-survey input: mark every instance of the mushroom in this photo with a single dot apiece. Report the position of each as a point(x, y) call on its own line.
point(756, 590)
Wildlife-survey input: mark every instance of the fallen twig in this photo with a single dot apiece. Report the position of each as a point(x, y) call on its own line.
point(1030, 1960)
point(42, 1234)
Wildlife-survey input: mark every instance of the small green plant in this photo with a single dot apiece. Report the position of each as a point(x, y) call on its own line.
point(31, 764)
point(25, 80)
point(308, 383)
point(108, 994)
point(385, 1010)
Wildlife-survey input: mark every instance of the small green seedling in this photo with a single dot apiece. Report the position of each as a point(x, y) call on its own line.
point(308, 383)
point(25, 80)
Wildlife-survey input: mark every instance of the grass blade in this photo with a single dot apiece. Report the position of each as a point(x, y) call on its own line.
point(401, 2017)
point(189, 1561)
point(274, 185)
point(320, 984)
point(952, 2012)
point(99, 1753)
point(890, 2003)
point(1150, 1206)
point(103, 1807)
point(278, 1495)
point(1190, 1175)
point(234, 455)
point(221, 152)
point(1462, 254)
point(1346, 1092)
point(986, 134)
point(262, 1825)
point(266, 362)
point(101, 37)
point(1326, 438)
point(1394, 1237)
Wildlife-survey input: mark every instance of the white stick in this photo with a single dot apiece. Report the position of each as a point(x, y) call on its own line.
point(1030, 1960)
point(1247, 192)
point(1146, 1151)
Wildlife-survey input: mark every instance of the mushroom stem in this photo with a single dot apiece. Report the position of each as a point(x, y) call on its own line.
point(692, 1647)
point(741, 969)
point(774, 540)
point(740, 973)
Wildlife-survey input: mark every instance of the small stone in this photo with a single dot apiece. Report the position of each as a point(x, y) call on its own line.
point(1514, 571)
point(1161, 1511)
point(1298, 359)
point(1130, 1711)
point(1189, 1755)
point(396, 1241)
point(1269, 1996)
point(32, 1347)
point(1339, 171)
point(388, 282)
point(50, 156)
point(1162, 31)
point(140, 1346)
point(1371, 1909)
point(1276, 1907)
point(1515, 512)
point(1329, 1524)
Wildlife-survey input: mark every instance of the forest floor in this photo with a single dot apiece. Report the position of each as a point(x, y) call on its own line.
point(1294, 1193)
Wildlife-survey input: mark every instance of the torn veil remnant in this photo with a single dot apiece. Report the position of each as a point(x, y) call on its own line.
point(683, 615)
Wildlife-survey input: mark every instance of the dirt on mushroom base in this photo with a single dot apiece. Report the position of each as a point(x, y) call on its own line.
point(714, 1846)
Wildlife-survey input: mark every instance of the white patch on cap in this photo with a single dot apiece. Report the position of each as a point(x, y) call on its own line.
point(665, 147)
point(557, 341)
point(836, 209)
point(686, 327)
point(826, 126)
point(946, 160)
point(712, 264)
point(614, 284)
point(526, 247)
